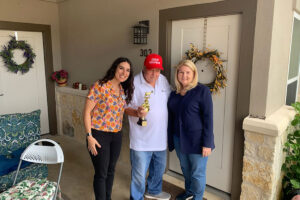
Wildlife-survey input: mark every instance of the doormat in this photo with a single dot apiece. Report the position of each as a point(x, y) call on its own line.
point(171, 189)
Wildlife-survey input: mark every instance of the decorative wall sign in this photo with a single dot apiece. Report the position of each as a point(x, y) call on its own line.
point(206, 73)
point(7, 55)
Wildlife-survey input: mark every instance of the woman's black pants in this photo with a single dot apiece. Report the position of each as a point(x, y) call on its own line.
point(105, 162)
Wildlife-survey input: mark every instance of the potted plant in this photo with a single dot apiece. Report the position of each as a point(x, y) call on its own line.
point(61, 77)
point(291, 167)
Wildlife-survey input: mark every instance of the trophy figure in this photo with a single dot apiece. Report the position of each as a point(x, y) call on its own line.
point(142, 121)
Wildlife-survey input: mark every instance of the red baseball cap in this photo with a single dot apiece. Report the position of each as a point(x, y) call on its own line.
point(153, 61)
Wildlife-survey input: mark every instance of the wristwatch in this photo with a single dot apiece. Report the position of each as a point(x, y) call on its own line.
point(88, 134)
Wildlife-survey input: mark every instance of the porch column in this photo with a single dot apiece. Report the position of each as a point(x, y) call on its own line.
point(272, 43)
point(263, 156)
point(265, 128)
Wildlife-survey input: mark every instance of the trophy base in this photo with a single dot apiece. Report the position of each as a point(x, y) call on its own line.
point(142, 122)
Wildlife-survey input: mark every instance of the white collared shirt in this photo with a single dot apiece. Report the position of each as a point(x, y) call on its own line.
point(152, 137)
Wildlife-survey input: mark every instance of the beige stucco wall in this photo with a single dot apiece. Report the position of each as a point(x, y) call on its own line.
point(280, 51)
point(273, 34)
point(297, 5)
point(36, 12)
point(94, 33)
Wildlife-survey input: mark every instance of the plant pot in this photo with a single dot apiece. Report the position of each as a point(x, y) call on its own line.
point(62, 82)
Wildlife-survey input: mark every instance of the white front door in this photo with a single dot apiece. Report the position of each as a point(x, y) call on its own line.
point(22, 93)
point(223, 34)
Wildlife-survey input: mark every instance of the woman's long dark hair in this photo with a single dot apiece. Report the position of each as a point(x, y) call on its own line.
point(128, 84)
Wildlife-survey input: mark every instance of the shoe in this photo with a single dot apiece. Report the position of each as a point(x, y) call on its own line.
point(184, 196)
point(160, 196)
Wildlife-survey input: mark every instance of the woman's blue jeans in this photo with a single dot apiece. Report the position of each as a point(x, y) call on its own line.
point(193, 167)
point(140, 162)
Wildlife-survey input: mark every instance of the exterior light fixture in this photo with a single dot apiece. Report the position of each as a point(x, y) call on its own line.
point(140, 32)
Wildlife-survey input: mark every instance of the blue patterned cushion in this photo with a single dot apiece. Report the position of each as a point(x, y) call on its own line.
point(10, 163)
point(18, 130)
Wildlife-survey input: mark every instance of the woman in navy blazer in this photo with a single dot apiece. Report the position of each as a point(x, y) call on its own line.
point(190, 128)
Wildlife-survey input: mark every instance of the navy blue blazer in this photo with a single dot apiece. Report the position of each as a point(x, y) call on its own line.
point(195, 118)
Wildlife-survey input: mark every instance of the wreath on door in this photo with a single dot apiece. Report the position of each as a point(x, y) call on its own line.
point(7, 55)
point(195, 55)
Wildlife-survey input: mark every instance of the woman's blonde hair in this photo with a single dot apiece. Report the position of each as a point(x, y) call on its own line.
point(190, 64)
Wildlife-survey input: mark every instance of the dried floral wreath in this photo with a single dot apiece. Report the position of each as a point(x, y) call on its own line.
point(195, 55)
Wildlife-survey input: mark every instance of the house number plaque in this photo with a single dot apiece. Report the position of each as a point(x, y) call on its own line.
point(145, 52)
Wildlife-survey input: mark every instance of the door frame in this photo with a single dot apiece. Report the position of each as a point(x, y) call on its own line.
point(247, 10)
point(48, 58)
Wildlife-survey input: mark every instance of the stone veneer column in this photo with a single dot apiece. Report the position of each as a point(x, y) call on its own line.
point(70, 104)
point(263, 156)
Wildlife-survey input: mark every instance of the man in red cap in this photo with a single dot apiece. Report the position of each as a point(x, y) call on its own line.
point(148, 143)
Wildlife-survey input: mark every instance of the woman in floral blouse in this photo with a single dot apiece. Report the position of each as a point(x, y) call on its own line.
point(103, 116)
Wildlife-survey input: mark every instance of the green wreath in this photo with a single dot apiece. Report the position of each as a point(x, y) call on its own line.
point(195, 55)
point(7, 55)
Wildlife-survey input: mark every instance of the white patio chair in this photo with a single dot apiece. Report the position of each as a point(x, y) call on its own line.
point(43, 154)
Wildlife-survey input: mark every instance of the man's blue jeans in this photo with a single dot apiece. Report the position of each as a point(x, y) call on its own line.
point(193, 167)
point(140, 162)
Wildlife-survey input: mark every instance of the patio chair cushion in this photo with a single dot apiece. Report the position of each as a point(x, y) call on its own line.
point(18, 131)
point(32, 171)
point(37, 189)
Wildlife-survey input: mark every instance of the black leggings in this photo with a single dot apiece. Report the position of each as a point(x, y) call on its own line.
point(105, 162)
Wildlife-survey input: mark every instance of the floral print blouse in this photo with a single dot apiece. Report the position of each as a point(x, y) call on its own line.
point(107, 114)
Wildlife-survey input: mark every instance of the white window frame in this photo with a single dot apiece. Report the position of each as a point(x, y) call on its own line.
point(296, 78)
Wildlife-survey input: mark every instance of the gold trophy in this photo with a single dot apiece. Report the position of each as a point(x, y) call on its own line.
point(142, 121)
